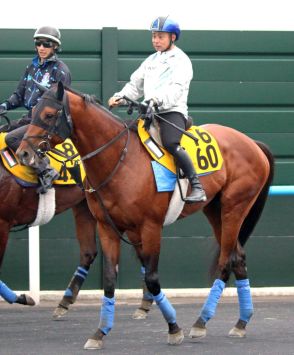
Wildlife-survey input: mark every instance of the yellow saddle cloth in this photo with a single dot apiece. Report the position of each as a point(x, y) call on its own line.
point(58, 160)
point(205, 154)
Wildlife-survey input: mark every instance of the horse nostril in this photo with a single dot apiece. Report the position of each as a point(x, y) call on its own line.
point(23, 155)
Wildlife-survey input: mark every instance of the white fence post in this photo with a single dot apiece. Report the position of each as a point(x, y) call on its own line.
point(34, 263)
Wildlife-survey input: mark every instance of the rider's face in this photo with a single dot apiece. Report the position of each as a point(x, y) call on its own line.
point(44, 52)
point(161, 40)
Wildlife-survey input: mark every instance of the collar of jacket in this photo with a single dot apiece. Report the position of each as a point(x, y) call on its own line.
point(36, 61)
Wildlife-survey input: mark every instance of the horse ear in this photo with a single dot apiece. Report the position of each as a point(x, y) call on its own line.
point(40, 86)
point(60, 91)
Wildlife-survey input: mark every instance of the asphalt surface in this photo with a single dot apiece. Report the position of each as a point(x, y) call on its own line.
point(30, 330)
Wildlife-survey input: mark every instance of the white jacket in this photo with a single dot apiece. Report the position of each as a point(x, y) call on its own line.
point(165, 76)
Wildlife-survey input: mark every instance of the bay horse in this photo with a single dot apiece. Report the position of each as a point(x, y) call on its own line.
point(123, 198)
point(19, 206)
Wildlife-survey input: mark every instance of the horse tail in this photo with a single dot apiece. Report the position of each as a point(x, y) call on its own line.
point(256, 210)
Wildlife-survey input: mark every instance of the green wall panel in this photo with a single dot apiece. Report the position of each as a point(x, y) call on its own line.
point(242, 79)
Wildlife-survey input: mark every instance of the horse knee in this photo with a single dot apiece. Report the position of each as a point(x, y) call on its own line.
point(87, 258)
point(152, 283)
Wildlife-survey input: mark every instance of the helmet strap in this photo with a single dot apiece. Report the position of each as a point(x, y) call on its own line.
point(171, 42)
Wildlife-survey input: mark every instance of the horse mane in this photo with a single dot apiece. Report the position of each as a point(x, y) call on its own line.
point(92, 99)
point(88, 98)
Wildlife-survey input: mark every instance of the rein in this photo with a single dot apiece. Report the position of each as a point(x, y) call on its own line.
point(63, 127)
point(96, 190)
point(120, 160)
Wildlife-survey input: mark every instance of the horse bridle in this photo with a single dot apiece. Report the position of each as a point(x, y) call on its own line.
point(62, 126)
point(63, 120)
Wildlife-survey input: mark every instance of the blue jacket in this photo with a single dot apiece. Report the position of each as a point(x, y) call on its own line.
point(27, 94)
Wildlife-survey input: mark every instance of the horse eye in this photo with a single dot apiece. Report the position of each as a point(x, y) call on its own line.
point(49, 116)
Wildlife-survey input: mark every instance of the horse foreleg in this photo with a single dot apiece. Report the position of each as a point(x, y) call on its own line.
point(110, 244)
point(71, 293)
point(175, 333)
point(86, 235)
point(244, 294)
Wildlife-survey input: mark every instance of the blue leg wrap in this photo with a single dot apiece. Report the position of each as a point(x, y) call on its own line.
point(209, 307)
point(81, 272)
point(79, 277)
point(245, 300)
point(107, 314)
point(147, 296)
point(7, 293)
point(166, 308)
point(68, 292)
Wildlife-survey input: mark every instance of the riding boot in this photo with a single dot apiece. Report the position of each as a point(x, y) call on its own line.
point(184, 162)
point(46, 175)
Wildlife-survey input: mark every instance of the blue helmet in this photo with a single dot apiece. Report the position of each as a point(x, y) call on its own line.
point(164, 24)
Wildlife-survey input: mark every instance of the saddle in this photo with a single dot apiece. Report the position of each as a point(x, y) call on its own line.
point(70, 170)
point(203, 149)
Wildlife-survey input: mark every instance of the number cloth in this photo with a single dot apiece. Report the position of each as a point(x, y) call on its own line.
point(205, 154)
point(61, 154)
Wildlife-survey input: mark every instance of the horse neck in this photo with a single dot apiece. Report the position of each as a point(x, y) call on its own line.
point(93, 127)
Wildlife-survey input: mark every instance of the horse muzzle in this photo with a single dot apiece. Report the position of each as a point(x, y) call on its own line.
point(26, 157)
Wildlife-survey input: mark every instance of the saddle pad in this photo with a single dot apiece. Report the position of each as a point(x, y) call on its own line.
point(58, 159)
point(205, 154)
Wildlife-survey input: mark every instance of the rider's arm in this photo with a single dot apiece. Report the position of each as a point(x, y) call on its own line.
point(17, 98)
point(134, 89)
point(63, 74)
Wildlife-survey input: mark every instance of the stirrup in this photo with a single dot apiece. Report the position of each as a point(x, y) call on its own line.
point(196, 195)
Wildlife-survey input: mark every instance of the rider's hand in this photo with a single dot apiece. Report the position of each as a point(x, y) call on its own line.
point(115, 101)
point(154, 102)
point(3, 108)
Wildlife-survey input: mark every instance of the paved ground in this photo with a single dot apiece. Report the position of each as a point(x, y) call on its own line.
point(30, 331)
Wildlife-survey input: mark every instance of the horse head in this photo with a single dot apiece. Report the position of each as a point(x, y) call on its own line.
point(51, 124)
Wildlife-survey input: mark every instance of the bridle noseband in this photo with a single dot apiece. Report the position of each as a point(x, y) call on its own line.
point(62, 126)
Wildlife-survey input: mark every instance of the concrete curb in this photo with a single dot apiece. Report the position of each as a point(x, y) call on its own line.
point(136, 294)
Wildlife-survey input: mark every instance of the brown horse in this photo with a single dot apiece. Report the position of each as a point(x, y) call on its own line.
point(19, 206)
point(123, 198)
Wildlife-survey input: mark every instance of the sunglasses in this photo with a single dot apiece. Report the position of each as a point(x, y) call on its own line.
point(45, 44)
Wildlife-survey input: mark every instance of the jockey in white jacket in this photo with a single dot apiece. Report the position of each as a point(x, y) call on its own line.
point(164, 77)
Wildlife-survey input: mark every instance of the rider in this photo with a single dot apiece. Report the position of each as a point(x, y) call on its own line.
point(164, 77)
point(46, 69)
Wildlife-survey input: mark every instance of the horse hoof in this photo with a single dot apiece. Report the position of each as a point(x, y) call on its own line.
point(176, 339)
point(29, 300)
point(93, 344)
point(197, 332)
point(237, 333)
point(59, 313)
point(25, 300)
point(139, 314)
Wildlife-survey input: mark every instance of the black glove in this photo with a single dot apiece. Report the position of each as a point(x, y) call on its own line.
point(147, 114)
point(3, 109)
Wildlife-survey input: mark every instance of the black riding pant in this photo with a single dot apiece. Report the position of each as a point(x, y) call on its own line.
point(171, 136)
